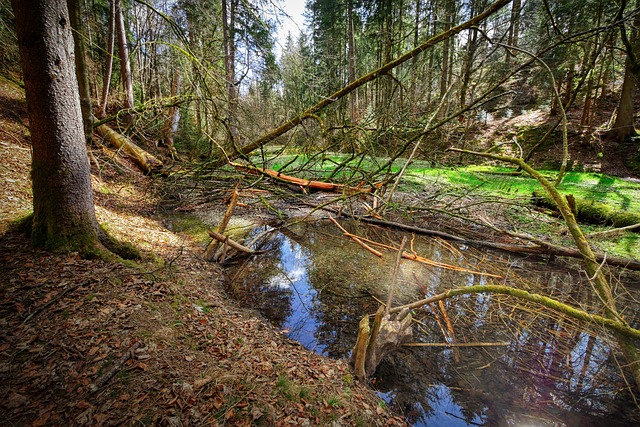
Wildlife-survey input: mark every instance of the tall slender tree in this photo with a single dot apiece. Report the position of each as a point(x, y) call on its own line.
point(82, 73)
point(125, 65)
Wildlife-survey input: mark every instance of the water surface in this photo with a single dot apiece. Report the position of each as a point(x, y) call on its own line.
point(316, 285)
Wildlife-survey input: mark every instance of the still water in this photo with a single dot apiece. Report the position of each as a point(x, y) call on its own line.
point(536, 370)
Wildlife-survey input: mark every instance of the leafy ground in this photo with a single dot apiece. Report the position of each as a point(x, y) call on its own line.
point(86, 342)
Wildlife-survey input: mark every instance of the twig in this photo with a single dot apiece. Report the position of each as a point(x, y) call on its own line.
point(53, 300)
point(457, 344)
point(613, 231)
point(356, 238)
point(115, 368)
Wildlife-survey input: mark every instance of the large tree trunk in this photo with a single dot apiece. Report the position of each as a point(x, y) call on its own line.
point(125, 66)
point(109, 63)
point(63, 211)
point(75, 16)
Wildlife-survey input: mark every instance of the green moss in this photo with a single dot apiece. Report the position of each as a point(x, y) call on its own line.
point(191, 225)
point(23, 224)
point(124, 250)
point(591, 211)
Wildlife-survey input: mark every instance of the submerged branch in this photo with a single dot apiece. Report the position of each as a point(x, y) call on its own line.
point(543, 300)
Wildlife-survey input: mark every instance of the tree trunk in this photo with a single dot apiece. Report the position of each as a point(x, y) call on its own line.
point(173, 118)
point(109, 64)
point(63, 211)
point(514, 28)
point(233, 152)
point(623, 125)
point(228, 35)
point(75, 16)
point(353, 96)
point(125, 67)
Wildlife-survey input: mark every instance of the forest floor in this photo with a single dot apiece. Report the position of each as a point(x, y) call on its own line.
point(89, 342)
point(156, 342)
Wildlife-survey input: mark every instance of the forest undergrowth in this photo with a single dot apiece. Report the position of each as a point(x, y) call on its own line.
point(156, 341)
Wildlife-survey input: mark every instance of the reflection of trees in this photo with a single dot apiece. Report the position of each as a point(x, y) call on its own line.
point(249, 283)
point(552, 367)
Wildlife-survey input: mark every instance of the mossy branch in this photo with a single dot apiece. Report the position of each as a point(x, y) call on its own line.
point(594, 270)
point(235, 152)
point(543, 300)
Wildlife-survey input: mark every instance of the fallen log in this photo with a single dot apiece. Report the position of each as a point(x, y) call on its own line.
point(227, 240)
point(539, 249)
point(145, 161)
point(210, 252)
point(305, 184)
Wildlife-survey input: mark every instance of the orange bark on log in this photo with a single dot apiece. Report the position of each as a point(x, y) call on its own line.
point(304, 183)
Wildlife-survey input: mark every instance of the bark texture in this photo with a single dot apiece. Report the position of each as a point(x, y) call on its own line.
point(63, 210)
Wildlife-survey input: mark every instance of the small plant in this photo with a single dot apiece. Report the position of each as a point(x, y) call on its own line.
point(334, 402)
point(304, 393)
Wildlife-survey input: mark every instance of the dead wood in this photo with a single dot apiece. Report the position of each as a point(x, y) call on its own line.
point(541, 248)
point(227, 240)
point(235, 152)
point(392, 332)
point(305, 184)
point(115, 368)
point(457, 344)
point(210, 252)
point(356, 239)
point(387, 335)
point(145, 161)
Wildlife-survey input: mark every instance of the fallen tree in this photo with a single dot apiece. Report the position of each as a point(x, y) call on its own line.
point(539, 247)
point(231, 153)
point(145, 161)
point(594, 269)
point(305, 184)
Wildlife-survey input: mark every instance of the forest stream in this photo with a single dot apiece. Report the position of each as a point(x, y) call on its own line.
point(524, 366)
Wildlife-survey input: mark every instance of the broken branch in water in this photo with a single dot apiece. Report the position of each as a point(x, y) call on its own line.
point(356, 238)
point(457, 344)
point(227, 240)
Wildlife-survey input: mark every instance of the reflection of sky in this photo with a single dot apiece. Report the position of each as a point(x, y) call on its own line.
point(448, 413)
point(320, 319)
point(301, 324)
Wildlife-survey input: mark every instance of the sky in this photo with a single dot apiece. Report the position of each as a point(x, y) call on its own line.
point(293, 24)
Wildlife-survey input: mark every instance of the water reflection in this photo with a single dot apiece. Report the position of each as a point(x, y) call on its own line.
point(316, 285)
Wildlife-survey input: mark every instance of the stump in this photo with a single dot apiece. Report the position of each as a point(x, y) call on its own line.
point(389, 333)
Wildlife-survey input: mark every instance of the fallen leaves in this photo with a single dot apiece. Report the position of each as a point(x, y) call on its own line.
point(214, 366)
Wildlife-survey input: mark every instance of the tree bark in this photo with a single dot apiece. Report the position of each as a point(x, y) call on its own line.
point(234, 152)
point(173, 116)
point(75, 16)
point(145, 161)
point(109, 62)
point(228, 36)
point(623, 126)
point(63, 210)
point(125, 66)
